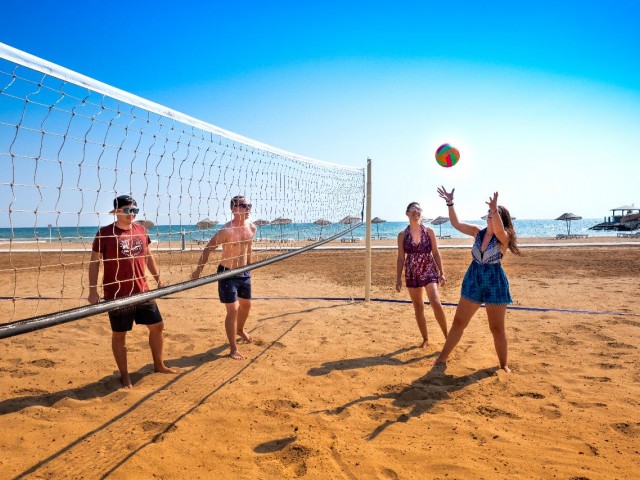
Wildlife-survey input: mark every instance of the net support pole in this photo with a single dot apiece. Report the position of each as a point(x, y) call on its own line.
point(367, 267)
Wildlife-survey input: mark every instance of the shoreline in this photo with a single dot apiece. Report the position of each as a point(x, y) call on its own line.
point(385, 244)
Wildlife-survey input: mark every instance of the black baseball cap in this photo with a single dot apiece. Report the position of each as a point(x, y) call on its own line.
point(123, 201)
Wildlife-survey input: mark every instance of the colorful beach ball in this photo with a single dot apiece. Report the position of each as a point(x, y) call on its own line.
point(447, 156)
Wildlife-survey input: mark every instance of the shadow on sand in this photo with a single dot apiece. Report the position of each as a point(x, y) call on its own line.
point(419, 397)
point(364, 362)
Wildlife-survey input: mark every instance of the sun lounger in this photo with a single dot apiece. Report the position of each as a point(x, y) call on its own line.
point(562, 236)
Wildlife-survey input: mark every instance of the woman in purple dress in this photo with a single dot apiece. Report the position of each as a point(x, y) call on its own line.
point(418, 255)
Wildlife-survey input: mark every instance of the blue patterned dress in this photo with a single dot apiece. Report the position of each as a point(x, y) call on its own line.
point(485, 280)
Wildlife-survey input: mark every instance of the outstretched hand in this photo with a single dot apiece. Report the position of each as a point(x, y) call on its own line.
point(493, 202)
point(448, 196)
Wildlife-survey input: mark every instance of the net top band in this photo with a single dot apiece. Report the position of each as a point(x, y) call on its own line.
point(48, 68)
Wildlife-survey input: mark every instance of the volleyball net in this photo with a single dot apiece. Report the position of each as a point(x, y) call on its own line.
point(69, 145)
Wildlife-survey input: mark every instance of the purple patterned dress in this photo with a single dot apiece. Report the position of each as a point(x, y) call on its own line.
point(419, 267)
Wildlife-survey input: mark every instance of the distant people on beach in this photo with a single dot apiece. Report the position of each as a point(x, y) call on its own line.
point(123, 248)
point(485, 280)
point(235, 238)
point(419, 257)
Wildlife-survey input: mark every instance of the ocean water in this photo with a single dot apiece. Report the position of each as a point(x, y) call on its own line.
point(299, 231)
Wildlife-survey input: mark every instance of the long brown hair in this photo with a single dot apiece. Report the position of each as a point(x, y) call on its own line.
point(508, 226)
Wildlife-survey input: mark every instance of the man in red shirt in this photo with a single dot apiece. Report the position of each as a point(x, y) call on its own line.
point(123, 249)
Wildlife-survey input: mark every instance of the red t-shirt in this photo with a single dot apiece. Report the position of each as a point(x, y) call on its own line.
point(124, 258)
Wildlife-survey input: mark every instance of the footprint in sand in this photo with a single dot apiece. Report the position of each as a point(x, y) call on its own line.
point(295, 457)
point(621, 345)
point(493, 412)
point(389, 473)
point(597, 379)
point(550, 411)
point(535, 395)
point(43, 363)
point(627, 428)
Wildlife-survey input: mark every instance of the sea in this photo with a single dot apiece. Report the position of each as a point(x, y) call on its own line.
point(298, 231)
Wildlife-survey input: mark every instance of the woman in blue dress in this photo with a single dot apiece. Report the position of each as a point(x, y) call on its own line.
point(485, 281)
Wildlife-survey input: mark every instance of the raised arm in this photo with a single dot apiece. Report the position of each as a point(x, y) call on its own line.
point(466, 228)
point(496, 220)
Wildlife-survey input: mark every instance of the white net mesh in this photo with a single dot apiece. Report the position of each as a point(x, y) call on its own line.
point(69, 145)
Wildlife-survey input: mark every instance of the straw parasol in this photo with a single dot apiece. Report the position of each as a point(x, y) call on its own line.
point(378, 221)
point(145, 223)
point(350, 220)
point(281, 221)
point(439, 221)
point(205, 224)
point(322, 222)
point(260, 223)
point(569, 217)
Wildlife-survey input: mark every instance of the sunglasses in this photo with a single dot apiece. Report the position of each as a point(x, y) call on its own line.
point(130, 210)
point(243, 205)
point(414, 209)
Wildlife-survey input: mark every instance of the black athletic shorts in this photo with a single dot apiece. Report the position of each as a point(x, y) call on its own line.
point(143, 314)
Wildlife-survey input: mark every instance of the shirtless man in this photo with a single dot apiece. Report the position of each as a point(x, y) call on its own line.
point(235, 292)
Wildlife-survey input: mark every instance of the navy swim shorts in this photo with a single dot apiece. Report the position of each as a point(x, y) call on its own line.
point(230, 289)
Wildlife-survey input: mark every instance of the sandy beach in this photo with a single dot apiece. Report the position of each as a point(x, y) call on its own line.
point(336, 388)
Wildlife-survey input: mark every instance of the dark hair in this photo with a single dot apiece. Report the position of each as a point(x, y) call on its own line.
point(508, 226)
point(412, 204)
point(236, 200)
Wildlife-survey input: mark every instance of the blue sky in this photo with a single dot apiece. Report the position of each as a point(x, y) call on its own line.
point(541, 98)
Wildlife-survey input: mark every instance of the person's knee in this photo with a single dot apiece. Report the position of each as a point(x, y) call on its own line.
point(497, 330)
point(459, 323)
point(232, 307)
point(156, 327)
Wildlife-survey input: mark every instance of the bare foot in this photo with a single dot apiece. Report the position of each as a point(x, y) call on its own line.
point(425, 343)
point(245, 336)
point(236, 355)
point(165, 369)
point(439, 366)
point(126, 382)
point(506, 369)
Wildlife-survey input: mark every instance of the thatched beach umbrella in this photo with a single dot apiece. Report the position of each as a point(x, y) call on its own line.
point(378, 221)
point(205, 224)
point(281, 221)
point(145, 223)
point(322, 222)
point(439, 221)
point(569, 217)
point(261, 223)
point(350, 220)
